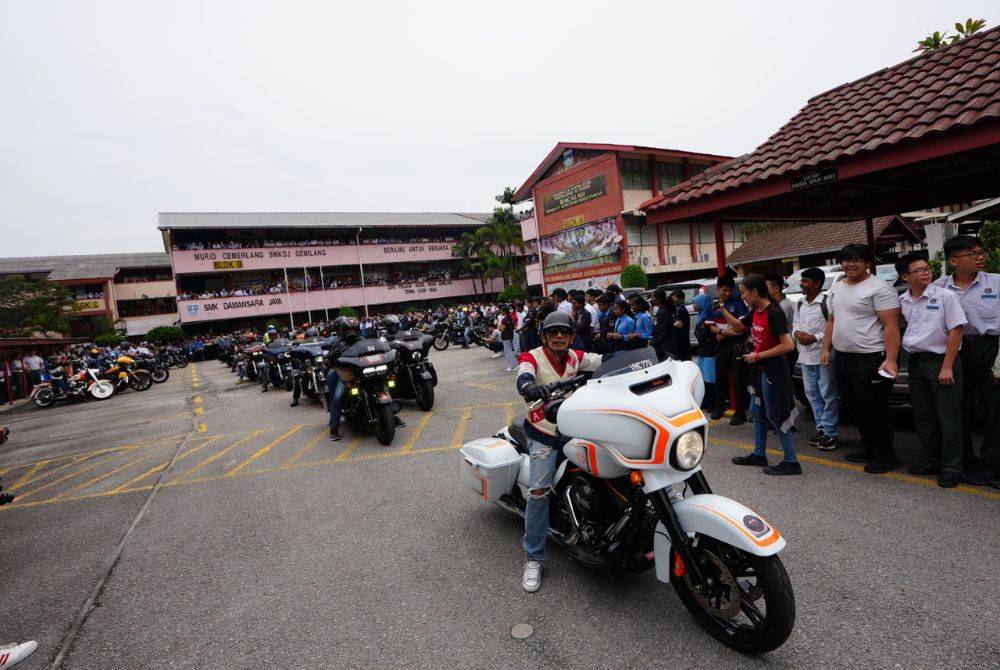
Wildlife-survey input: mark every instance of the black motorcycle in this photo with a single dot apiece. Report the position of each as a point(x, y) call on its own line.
point(159, 372)
point(277, 359)
point(309, 367)
point(173, 357)
point(415, 374)
point(365, 368)
point(445, 334)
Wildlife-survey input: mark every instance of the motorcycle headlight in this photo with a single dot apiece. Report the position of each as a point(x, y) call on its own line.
point(688, 450)
point(374, 370)
point(415, 355)
point(318, 359)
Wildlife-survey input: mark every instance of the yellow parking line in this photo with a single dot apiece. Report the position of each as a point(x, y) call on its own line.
point(217, 455)
point(416, 434)
point(203, 427)
point(347, 452)
point(101, 478)
point(152, 471)
point(197, 400)
point(69, 476)
point(27, 476)
point(263, 450)
point(199, 410)
point(851, 467)
point(304, 450)
point(456, 441)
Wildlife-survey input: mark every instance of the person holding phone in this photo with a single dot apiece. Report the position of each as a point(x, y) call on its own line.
point(772, 403)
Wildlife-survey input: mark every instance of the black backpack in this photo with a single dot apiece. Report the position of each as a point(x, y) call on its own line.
point(822, 307)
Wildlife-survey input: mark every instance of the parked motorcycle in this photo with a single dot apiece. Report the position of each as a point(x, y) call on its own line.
point(446, 334)
point(124, 375)
point(277, 358)
point(631, 496)
point(82, 384)
point(172, 357)
point(415, 374)
point(366, 368)
point(157, 371)
point(309, 364)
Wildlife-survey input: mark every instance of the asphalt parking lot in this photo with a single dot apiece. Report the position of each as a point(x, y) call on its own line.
point(267, 545)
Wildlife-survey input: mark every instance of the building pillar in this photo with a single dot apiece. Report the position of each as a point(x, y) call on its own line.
point(659, 244)
point(720, 245)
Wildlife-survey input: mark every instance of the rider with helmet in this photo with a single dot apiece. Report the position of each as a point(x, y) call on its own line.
point(297, 371)
point(549, 363)
point(271, 334)
point(392, 326)
point(349, 330)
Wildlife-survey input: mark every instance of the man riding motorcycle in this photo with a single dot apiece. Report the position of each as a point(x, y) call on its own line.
point(549, 363)
point(271, 334)
point(297, 373)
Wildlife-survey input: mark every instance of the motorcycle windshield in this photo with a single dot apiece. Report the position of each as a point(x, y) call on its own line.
point(627, 362)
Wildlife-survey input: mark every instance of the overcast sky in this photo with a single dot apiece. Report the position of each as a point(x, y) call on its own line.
point(114, 111)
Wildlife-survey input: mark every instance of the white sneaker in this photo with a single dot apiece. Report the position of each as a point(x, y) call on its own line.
point(497, 354)
point(12, 653)
point(509, 370)
point(532, 578)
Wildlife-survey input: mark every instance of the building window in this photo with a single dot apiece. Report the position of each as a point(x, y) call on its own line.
point(671, 174)
point(635, 175)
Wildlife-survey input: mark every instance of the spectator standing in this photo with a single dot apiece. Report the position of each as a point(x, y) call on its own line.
point(559, 296)
point(862, 341)
point(978, 292)
point(707, 348)
point(776, 288)
point(664, 342)
point(582, 322)
point(17, 376)
point(682, 326)
point(616, 291)
point(934, 320)
point(622, 325)
point(773, 403)
point(34, 364)
point(531, 338)
point(595, 325)
point(604, 322)
point(809, 320)
point(728, 357)
point(643, 334)
point(507, 336)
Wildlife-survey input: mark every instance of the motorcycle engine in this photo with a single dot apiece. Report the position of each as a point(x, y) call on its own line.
point(596, 508)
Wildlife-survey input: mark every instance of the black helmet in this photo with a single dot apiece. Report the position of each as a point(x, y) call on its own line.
point(392, 324)
point(350, 328)
point(557, 319)
point(311, 332)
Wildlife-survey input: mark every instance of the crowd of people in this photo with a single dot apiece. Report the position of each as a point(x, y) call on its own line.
point(310, 242)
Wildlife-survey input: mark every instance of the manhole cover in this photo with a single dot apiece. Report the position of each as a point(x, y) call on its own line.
point(522, 631)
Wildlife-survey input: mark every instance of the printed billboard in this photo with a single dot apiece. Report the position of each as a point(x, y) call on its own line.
point(593, 249)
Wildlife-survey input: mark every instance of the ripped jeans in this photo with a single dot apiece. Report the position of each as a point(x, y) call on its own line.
point(536, 516)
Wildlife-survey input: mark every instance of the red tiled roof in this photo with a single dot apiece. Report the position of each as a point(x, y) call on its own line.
point(947, 89)
point(816, 238)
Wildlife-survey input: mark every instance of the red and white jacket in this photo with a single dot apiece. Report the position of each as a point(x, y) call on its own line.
point(540, 366)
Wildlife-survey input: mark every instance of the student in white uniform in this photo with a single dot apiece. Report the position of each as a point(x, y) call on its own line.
point(933, 336)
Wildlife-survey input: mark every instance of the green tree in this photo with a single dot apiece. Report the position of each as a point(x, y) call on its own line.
point(634, 276)
point(989, 233)
point(939, 39)
point(347, 311)
point(512, 292)
point(33, 307)
point(165, 334)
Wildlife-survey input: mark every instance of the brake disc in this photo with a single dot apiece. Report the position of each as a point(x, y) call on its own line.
point(720, 596)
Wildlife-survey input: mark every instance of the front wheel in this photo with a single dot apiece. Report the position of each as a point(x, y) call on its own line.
point(423, 393)
point(102, 390)
point(160, 374)
point(180, 361)
point(385, 427)
point(140, 380)
point(441, 342)
point(747, 603)
point(44, 397)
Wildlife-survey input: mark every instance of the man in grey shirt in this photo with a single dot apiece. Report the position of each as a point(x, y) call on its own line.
point(863, 330)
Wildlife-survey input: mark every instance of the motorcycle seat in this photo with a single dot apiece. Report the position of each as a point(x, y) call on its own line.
point(516, 431)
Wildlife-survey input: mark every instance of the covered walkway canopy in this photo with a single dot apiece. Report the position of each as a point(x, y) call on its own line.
point(924, 133)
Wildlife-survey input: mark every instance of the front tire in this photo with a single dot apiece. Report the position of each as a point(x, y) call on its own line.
point(424, 394)
point(736, 619)
point(44, 397)
point(102, 390)
point(160, 375)
point(140, 381)
point(180, 361)
point(385, 427)
point(441, 343)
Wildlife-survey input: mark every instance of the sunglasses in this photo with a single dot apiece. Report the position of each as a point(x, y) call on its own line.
point(565, 332)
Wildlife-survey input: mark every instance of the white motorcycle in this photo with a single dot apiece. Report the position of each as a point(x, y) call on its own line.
point(630, 496)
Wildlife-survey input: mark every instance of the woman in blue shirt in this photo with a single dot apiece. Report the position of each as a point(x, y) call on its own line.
point(643, 323)
point(623, 326)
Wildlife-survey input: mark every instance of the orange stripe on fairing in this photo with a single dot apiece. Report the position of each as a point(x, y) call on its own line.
point(662, 433)
point(592, 459)
point(766, 542)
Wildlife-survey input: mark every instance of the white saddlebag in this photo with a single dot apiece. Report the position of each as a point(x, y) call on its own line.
point(489, 467)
